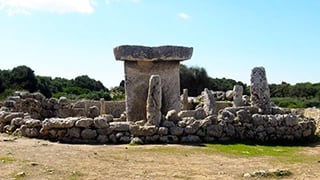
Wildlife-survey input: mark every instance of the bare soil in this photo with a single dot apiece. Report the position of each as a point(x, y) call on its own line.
point(23, 158)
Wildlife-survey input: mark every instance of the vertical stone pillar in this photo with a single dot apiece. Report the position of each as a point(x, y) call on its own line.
point(154, 101)
point(140, 63)
point(208, 102)
point(237, 96)
point(184, 100)
point(259, 90)
point(102, 106)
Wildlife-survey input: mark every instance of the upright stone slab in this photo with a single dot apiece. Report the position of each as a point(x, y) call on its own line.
point(102, 106)
point(237, 96)
point(154, 101)
point(184, 100)
point(208, 102)
point(259, 90)
point(140, 63)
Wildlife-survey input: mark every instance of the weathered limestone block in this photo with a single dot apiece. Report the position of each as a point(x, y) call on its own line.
point(177, 131)
point(229, 95)
point(142, 62)
point(208, 102)
point(219, 95)
point(33, 123)
point(19, 121)
point(103, 139)
point(163, 131)
point(88, 134)
point(84, 122)
point(29, 132)
point(74, 132)
point(100, 122)
point(192, 128)
point(52, 123)
point(119, 126)
point(154, 101)
point(190, 139)
point(169, 139)
point(162, 53)
point(94, 111)
point(186, 113)
point(200, 113)
point(143, 130)
point(237, 96)
point(7, 118)
point(106, 131)
point(259, 90)
point(184, 100)
point(172, 115)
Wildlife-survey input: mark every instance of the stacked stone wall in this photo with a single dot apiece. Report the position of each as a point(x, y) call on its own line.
point(40, 107)
point(241, 123)
point(315, 114)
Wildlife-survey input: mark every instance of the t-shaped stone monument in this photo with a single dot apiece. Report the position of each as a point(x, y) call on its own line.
point(140, 63)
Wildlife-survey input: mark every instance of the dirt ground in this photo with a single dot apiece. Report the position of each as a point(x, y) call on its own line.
point(23, 158)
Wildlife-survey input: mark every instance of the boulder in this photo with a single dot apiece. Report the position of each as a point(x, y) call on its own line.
point(84, 122)
point(51, 123)
point(143, 130)
point(120, 126)
point(100, 122)
point(88, 134)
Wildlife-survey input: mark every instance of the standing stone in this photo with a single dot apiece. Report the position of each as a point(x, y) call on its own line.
point(154, 101)
point(102, 106)
point(259, 90)
point(208, 102)
point(140, 63)
point(237, 96)
point(184, 100)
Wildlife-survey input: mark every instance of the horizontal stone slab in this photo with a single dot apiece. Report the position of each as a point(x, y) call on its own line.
point(144, 53)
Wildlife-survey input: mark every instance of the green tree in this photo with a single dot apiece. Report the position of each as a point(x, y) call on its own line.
point(86, 82)
point(45, 85)
point(195, 79)
point(59, 84)
point(22, 77)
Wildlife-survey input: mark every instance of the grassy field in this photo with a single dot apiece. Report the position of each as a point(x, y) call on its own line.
point(23, 158)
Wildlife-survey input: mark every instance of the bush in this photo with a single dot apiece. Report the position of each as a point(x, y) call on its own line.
point(6, 93)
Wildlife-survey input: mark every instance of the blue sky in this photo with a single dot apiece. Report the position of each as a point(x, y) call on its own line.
point(68, 38)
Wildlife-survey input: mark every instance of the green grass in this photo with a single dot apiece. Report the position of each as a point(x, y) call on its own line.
point(290, 154)
point(254, 150)
point(5, 159)
point(75, 175)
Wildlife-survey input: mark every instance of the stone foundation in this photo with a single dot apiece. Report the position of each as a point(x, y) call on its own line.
point(241, 123)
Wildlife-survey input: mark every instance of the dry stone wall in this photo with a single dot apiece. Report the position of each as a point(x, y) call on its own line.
point(40, 107)
point(315, 114)
point(233, 123)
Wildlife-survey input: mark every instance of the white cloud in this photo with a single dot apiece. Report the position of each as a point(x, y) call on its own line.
point(55, 6)
point(183, 16)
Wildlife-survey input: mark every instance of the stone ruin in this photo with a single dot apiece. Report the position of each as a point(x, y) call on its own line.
point(140, 63)
point(152, 83)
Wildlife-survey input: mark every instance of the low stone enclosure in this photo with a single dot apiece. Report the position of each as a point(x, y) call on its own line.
point(151, 116)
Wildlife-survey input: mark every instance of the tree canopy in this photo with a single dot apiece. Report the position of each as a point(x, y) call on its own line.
point(195, 79)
